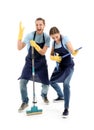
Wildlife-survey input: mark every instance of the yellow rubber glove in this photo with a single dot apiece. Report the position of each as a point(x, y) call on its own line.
point(56, 58)
point(21, 30)
point(75, 52)
point(37, 47)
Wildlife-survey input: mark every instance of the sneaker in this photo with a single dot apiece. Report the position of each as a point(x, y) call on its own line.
point(45, 100)
point(23, 106)
point(65, 113)
point(58, 99)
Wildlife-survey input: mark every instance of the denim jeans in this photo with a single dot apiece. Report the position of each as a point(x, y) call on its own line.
point(57, 88)
point(24, 93)
point(66, 89)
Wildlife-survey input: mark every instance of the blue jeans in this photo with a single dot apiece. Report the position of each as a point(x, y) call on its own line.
point(66, 89)
point(57, 88)
point(24, 93)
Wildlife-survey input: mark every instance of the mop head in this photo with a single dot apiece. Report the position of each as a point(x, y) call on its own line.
point(34, 111)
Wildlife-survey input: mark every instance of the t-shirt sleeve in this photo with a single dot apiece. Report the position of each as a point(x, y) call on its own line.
point(65, 41)
point(27, 39)
point(52, 43)
point(47, 40)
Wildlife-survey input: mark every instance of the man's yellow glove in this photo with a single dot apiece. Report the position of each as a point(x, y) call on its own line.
point(75, 52)
point(56, 58)
point(37, 47)
point(21, 30)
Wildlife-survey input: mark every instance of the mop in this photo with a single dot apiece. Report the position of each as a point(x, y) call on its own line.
point(34, 109)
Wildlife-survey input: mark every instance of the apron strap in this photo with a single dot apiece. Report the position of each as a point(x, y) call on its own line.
point(61, 42)
point(35, 36)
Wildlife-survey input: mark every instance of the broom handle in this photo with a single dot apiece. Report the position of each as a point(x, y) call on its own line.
point(33, 75)
point(57, 64)
point(69, 53)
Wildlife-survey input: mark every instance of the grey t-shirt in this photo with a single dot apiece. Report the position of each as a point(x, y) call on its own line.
point(65, 40)
point(38, 39)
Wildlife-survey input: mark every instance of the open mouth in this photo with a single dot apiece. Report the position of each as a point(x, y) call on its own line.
point(39, 30)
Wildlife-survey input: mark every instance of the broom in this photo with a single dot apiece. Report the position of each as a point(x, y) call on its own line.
point(34, 109)
point(57, 64)
point(69, 53)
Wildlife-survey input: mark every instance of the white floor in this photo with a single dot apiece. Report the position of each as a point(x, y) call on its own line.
point(81, 106)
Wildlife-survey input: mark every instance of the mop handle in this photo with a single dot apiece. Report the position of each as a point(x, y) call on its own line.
point(69, 53)
point(33, 69)
point(33, 75)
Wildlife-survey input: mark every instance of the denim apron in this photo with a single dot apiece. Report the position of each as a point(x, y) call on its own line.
point(41, 68)
point(64, 67)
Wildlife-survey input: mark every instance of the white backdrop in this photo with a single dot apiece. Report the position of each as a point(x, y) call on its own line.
point(75, 19)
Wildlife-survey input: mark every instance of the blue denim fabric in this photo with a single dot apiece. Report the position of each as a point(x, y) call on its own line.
point(66, 88)
point(24, 93)
point(44, 90)
point(23, 90)
point(57, 88)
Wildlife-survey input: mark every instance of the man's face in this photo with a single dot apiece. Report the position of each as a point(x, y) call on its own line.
point(39, 26)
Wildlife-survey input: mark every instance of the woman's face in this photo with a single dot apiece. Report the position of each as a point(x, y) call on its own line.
point(56, 37)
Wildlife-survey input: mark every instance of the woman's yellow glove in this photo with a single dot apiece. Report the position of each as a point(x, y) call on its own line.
point(21, 30)
point(37, 47)
point(75, 52)
point(56, 58)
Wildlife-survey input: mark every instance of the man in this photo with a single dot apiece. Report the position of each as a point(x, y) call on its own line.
point(40, 41)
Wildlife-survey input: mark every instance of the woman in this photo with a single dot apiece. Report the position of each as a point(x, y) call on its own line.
point(61, 53)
